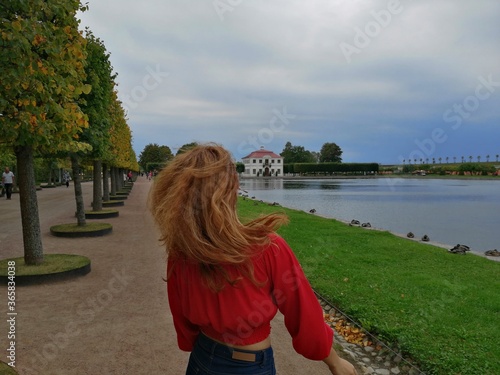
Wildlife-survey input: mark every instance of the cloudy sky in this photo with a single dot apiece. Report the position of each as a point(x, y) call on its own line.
point(387, 81)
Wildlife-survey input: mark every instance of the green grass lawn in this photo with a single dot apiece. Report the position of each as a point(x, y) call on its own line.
point(53, 263)
point(441, 309)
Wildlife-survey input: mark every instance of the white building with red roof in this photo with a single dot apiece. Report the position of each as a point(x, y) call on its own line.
point(263, 163)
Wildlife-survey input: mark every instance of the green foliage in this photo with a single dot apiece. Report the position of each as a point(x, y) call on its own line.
point(150, 167)
point(154, 157)
point(296, 154)
point(330, 152)
point(122, 154)
point(7, 157)
point(439, 308)
point(96, 103)
point(329, 168)
point(42, 61)
point(476, 168)
point(240, 167)
point(186, 147)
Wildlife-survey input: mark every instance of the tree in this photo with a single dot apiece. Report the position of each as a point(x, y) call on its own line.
point(296, 154)
point(154, 154)
point(122, 157)
point(186, 147)
point(330, 152)
point(96, 106)
point(240, 167)
point(42, 61)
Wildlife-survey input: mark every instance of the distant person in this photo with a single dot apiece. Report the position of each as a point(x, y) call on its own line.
point(226, 280)
point(66, 178)
point(7, 181)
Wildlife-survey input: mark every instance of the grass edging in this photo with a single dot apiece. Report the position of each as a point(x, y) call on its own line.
point(73, 230)
point(103, 214)
point(55, 267)
point(5, 369)
point(438, 308)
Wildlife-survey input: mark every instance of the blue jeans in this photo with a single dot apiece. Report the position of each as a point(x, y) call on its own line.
point(212, 358)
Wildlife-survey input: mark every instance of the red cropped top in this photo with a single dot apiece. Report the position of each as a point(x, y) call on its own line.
point(241, 314)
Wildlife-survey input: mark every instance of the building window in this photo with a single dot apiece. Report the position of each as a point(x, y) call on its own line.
point(279, 160)
point(272, 161)
point(260, 161)
point(254, 161)
point(254, 171)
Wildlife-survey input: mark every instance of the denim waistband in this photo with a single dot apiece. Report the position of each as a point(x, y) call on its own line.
point(221, 350)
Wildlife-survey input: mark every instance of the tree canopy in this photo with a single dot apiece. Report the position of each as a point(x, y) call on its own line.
point(330, 153)
point(156, 155)
point(186, 147)
point(297, 154)
point(42, 58)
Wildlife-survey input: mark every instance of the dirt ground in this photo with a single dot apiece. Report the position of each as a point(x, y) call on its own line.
point(114, 320)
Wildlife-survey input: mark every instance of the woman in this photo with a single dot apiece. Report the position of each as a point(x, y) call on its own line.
point(226, 280)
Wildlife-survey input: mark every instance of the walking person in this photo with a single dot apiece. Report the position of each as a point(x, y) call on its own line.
point(226, 280)
point(8, 181)
point(66, 178)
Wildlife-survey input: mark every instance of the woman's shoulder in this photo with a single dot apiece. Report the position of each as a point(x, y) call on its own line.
point(277, 248)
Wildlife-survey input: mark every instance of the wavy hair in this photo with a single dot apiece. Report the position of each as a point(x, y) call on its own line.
point(193, 201)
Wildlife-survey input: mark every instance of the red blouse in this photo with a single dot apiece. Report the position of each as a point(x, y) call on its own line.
point(241, 314)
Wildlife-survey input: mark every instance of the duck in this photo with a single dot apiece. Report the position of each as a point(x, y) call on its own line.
point(410, 235)
point(354, 222)
point(312, 211)
point(366, 225)
point(492, 253)
point(425, 238)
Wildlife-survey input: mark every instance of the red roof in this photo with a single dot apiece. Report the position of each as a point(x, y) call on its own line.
point(259, 154)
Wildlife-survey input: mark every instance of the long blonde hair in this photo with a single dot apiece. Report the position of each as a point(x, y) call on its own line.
point(193, 201)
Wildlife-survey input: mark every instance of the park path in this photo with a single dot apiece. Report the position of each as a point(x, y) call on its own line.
point(114, 320)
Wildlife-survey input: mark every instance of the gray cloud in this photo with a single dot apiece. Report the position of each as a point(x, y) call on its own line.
point(229, 68)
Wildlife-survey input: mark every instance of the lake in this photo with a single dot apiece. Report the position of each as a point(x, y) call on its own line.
point(449, 211)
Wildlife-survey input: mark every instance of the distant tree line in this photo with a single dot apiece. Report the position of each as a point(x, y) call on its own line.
point(154, 156)
point(460, 169)
point(330, 152)
point(331, 168)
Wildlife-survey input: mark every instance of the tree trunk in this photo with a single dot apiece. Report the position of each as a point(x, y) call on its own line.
point(105, 182)
point(97, 199)
point(49, 179)
point(32, 238)
point(113, 180)
point(119, 179)
point(77, 183)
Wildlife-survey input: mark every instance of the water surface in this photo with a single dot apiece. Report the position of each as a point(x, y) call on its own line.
point(448, 211)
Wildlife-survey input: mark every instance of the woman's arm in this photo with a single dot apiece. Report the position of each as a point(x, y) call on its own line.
point(339, 366)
